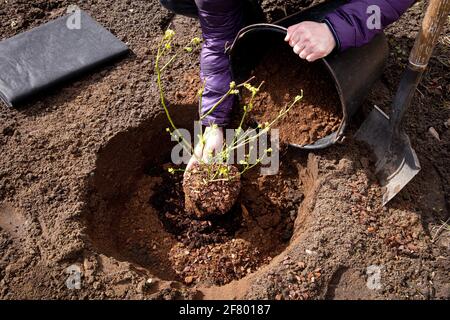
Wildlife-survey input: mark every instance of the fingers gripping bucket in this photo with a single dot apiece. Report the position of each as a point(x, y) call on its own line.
point(353, 71)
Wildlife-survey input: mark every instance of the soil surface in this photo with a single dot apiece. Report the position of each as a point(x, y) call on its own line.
point(77, 188)
point(278, 9)
point(229, 247)
point(153, 229)
point(317, 115)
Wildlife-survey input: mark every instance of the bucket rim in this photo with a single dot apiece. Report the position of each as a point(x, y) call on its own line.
point(321, 143)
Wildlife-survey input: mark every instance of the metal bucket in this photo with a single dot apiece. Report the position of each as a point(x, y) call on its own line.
point(354, 71)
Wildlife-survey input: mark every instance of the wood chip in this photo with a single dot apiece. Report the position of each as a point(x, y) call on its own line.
point(434, 133)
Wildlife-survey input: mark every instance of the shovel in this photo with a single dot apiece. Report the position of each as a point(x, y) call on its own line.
point(397, 162)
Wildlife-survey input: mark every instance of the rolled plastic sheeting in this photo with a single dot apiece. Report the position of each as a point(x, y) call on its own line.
point(51, 54)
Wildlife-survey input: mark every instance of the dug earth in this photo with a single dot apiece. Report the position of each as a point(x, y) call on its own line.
point(317, 115)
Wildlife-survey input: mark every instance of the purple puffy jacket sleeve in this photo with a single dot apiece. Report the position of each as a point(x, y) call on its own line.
point(349, 23)
point(220, 20)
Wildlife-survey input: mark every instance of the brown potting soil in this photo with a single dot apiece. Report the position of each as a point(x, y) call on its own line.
point(317, 115)
point(214, 251)
point(209, 192)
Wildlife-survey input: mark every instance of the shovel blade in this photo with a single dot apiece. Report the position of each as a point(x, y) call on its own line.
point(396, 161)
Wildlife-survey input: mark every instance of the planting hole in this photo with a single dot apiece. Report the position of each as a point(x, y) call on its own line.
point(137, 214)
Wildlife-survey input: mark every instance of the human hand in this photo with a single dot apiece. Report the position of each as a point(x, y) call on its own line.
point(205, 150)
point(311, 40)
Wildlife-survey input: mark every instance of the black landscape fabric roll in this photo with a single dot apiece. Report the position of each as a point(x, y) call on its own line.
point(51, 54)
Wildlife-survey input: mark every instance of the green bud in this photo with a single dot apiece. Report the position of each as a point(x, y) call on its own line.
point(250, 88)
point(196, 41)
point(169, 34)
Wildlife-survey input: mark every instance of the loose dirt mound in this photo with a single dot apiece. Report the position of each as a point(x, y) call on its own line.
point(285, 75)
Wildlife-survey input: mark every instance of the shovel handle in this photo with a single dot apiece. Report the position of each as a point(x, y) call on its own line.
point(432, 24)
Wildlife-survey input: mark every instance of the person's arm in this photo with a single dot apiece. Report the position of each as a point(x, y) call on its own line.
point(355, 24)
point(220, 20)
point(351, 25)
